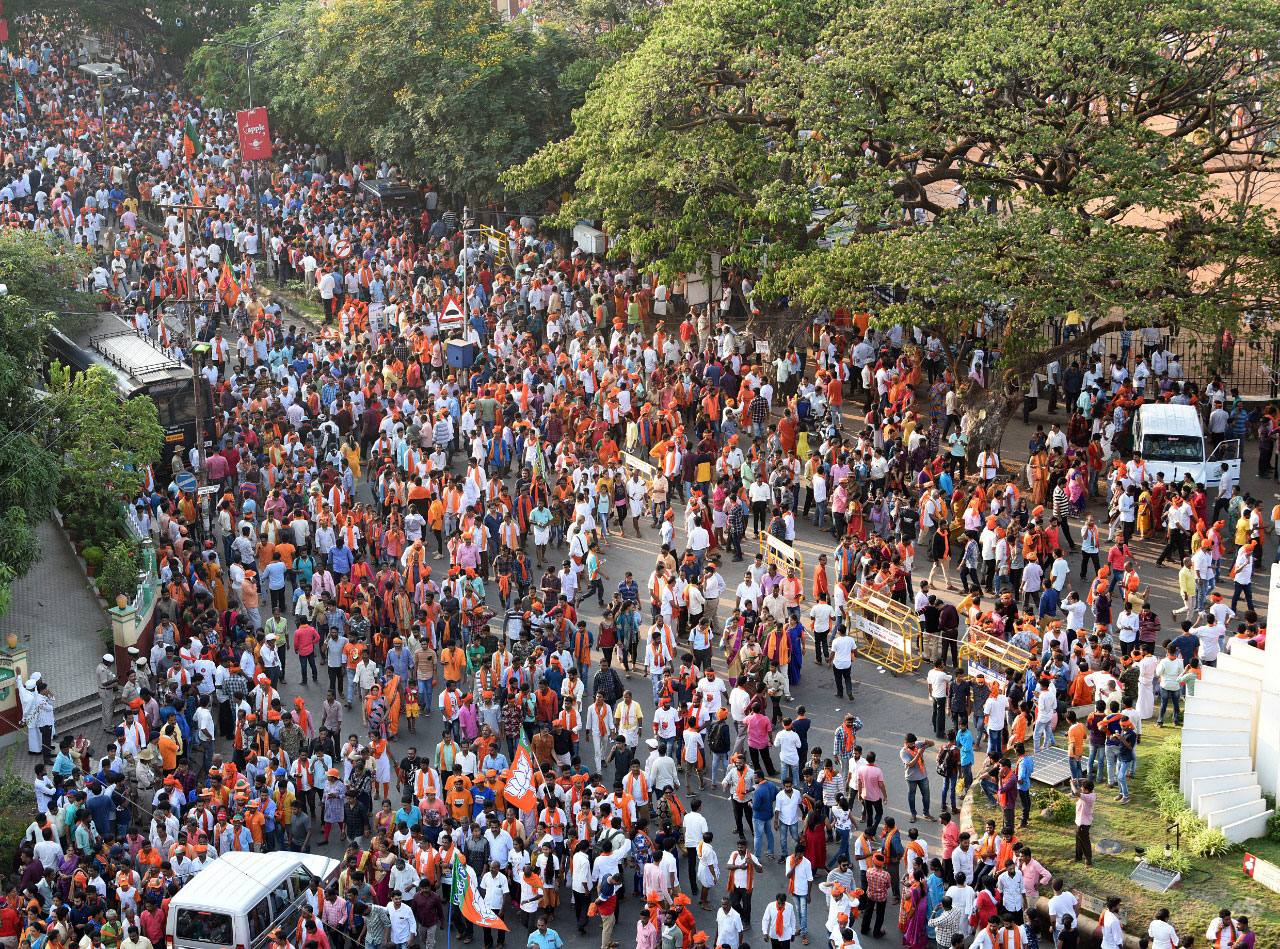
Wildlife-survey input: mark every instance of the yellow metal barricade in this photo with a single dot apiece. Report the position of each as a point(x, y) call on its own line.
point(647, 471)
point(889, 631)
point(991, 659)
point(783, 554)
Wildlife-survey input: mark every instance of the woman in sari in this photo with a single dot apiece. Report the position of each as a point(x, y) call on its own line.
point(380, 874)
point(216, 583)
point(1144, 513)
point(857, 526)
point(795, 635)
point(732, 642)
point(913, 918)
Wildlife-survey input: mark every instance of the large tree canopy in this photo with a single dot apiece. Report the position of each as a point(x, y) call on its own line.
point(444, 88)
point(1121, 143)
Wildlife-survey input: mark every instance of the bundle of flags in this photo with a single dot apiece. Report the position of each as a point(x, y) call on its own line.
point(227, 286)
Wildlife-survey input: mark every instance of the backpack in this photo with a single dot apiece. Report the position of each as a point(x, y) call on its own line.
point(718, 738)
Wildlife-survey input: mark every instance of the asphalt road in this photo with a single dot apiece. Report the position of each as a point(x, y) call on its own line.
point(888, 706)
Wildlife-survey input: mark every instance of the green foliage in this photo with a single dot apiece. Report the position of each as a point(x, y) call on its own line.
point(1273, 825)
point(1179, 861)
point(1170, 802)
point(1059, 808)
point(1209, 842)
point(810, 133)
point(446, 89)
point(1161, 770)
point(107, 440)
point(93, 557)
point(17, 807)
point(119, 572)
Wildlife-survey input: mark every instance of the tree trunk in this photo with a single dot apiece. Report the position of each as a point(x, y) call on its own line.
point(988, 412)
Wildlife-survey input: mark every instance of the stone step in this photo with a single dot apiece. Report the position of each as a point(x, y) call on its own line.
point(1227, 798)
point(1237, 812)
point(1210, 767)
point(1247, 828)
point(1232, 745)
point(1201, 787)
point(1223, 718)
point(1242, 663)
point(1223, 692)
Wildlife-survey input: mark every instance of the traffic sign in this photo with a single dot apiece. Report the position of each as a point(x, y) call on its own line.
point(452, 313)
point(342, 248)
point(185, 481)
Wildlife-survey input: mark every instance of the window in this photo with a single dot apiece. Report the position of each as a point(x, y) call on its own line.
point(260, 920)
point(194, 925)
point(1183, 449)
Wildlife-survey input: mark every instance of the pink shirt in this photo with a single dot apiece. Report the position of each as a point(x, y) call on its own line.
point(758, 728)
point(871, 778)
point(951, 839)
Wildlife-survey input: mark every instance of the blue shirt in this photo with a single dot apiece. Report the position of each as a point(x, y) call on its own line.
point(762, 799)
point(274, 572)
point(965, 741)
point(411, 817)
point(340, 559)
point(1026, 764)
point(550, 940)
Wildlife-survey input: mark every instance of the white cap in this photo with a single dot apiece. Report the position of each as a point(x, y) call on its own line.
point(141, 661)
point(270, 636)
point(107, 657)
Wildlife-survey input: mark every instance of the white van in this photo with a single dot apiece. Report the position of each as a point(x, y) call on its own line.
point(241, 897)
point(1172, 442)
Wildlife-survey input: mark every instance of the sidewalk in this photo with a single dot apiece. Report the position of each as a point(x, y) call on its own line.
point(58, 619)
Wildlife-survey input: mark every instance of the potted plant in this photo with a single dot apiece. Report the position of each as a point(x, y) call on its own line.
point(93, 557)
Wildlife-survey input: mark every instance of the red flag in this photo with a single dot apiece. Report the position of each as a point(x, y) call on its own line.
point(4, 31)
point(255, 136)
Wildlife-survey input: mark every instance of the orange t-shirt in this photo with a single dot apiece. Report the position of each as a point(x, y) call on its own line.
point(352, 651)
point(168, 752)
point(1075, 740)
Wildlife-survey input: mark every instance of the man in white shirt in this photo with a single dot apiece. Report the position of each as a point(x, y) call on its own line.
point(1163, 935)
point(1061, 905)
point(778, 924)
point(786, 816)
point(401, 926)
point(1110, 930)
point(694, 826)
point(729, 926)
point(788, 744)
point(843, 648)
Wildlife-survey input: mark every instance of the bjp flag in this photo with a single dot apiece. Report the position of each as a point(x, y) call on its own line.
point(227, 286)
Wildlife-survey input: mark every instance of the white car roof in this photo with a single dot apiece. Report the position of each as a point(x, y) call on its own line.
point(237, 881)
point(1170, 419)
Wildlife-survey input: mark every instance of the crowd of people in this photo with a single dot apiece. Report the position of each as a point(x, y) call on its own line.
point(429, 535)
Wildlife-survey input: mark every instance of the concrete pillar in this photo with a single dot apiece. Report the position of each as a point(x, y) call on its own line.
point(1267, 756)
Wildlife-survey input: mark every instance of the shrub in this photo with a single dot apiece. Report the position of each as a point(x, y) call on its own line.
point(93, 557)
point(119, 572)
point(1273, 827)
point(1209, 842)
point(1173, 859)
point(1171, 803)
point(17, 804)
point(1060, 808)
point(1162, 770)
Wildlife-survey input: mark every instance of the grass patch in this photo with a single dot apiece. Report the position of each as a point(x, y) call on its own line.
point(17, 808)
point(1209, 882)
point(295, 297)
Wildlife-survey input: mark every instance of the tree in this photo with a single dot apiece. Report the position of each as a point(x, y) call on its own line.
point(1121, 143)
point(107, 441)
point(176, 24)
point(443, 88)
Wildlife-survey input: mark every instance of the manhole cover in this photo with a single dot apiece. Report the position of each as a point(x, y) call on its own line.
point(1110, 846)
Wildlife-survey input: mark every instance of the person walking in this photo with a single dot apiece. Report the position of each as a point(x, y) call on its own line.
point(107, 689)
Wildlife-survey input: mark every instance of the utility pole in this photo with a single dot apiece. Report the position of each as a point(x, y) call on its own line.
point(197, 380)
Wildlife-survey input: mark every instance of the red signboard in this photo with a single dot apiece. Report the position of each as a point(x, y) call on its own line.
point(255, 137)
